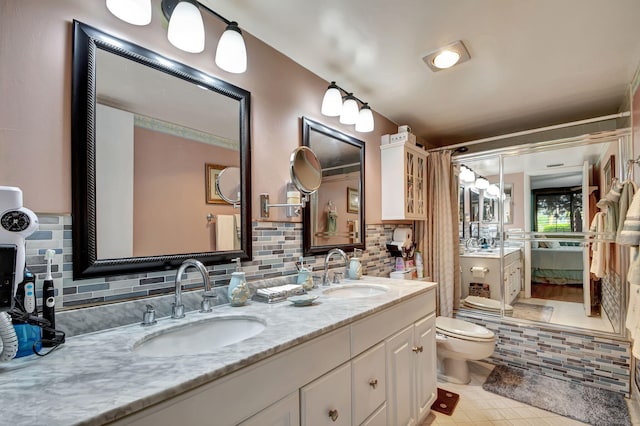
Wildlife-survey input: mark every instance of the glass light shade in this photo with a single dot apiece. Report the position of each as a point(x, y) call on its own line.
point(467, 175)
point(186, 29)
point(482, 183)
point(135, 12)
point(350, 112)
point(365, 120)
point(493, 190)
point(446, 59)
point(332, 101)
point(231, 54)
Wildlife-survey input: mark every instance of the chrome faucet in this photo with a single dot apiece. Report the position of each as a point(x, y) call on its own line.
point(325, 276)
point(177, 309)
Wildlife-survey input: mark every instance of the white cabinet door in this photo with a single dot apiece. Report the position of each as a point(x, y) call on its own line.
point(401, 398)
point(425, 343)
point(403, 180)
point(327, 400)
point(369, 383)
point(285, 412)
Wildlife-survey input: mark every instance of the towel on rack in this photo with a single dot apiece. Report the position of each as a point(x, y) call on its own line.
point(225, 232)
point(238, 231)
point(630, 234)
point(598, 259)
point(629, 189)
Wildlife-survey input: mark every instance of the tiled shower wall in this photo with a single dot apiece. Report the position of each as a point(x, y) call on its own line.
point(276, 248)
point(611, 297)
point(600, 362)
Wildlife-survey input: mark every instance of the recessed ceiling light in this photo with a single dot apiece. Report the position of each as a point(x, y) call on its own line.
point(446, 59)
point(447, 56)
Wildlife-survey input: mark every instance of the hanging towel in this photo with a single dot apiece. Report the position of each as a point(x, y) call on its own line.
point(598, 259)
point(632, 322)
point(630, 234)
point(629, 189)
point(225, 231)
point(237, 231)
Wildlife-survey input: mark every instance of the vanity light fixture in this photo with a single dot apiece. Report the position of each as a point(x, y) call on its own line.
point(134, 12)
point(447, 56)
point(493, 190)
point(186, 29)
point(334, 104)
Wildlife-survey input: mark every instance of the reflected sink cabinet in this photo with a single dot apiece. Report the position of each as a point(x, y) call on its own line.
point(378, 370)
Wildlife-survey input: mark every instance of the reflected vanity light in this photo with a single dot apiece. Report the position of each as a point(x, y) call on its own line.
point(334, 104)
point(186, 29)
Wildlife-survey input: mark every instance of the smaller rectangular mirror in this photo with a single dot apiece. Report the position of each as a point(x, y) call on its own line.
point(335, 215)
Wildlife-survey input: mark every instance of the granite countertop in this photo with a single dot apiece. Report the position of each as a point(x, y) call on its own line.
point(96, 378)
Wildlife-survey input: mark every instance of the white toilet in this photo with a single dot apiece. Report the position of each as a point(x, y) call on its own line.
point(486, 304)
point(458, 341)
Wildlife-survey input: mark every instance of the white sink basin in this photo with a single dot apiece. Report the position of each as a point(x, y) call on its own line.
point(355, 290)
point(200, 337)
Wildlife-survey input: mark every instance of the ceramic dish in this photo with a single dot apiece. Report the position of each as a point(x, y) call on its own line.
point(302, 300)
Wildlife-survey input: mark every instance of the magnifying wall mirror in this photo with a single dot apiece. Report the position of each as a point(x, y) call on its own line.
point(335, 214)
point(305, 169)
point(228, 185)
point(143, 128)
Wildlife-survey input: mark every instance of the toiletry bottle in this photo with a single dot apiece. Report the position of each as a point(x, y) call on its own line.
point(304, 276)
point(355, 266)
point(419, 265)
point(238, 288)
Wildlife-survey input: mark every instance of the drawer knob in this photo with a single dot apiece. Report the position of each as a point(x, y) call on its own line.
point(417, 349)
point(333, 415)
point(373, 383)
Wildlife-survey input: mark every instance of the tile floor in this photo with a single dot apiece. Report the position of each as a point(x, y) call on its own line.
point(481, 408)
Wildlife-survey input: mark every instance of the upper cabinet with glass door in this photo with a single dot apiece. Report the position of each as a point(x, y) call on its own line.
point(403, 179)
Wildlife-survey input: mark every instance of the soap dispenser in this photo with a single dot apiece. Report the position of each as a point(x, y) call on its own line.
point(304, 276)
point(355, 266)
point(238, 288)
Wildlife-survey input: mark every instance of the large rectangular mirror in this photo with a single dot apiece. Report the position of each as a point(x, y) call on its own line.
point(540, 264)
point(335, 215)
point(149, 135)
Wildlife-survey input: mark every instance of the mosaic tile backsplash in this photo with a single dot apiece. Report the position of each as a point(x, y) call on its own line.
point(599, 362)
point(276, 248)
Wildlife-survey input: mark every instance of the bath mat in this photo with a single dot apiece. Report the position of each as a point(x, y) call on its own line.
point(532, 312)
point(569, 399)
point(446, 402)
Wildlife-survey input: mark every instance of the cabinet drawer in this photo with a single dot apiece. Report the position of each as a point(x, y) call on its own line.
point(369, 383)
point(326, 396)
point(379, 418)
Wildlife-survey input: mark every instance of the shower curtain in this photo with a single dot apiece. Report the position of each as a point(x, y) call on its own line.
point(439, 239)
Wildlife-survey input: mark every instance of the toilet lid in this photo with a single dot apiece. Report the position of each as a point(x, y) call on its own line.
point(463, 329)
point(485, 303)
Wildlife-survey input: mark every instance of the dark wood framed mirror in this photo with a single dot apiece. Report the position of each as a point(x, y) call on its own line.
point(124, 223)
point(335, 214)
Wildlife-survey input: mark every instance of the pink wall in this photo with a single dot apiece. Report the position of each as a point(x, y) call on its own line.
point(35, 111)
point(170, 208)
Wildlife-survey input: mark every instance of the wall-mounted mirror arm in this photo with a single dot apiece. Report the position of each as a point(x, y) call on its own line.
point(306, 177)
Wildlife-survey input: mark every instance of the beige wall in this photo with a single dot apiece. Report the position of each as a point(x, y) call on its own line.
point(35, 82)
point(517, 194)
